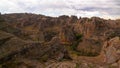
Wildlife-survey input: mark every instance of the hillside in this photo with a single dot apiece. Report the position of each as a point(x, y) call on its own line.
point(37, 41)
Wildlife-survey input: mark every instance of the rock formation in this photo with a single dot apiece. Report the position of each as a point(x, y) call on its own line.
point(38, 41)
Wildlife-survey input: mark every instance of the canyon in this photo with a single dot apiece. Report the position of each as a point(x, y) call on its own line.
point(37, 41)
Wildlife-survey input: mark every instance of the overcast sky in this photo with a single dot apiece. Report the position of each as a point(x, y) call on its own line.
point(84, 8)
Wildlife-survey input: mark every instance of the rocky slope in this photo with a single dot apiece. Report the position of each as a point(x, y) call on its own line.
point(38, 41)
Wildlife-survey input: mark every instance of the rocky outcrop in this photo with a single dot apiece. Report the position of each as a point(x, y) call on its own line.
point(12, 47)
point(89, 47)
point(111, 50)
point(31, 25)
point(90, 28)
point(67, 34)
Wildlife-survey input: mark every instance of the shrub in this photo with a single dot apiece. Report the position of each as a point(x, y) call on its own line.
point(79, 36)
point(78, 39)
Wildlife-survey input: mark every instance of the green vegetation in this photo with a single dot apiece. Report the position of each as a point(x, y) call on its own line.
point(91, 66)
point(79, 37)
point(74, 45)
point(44, 58)
point(77, 65)
point(82, 52)
point(113, 34)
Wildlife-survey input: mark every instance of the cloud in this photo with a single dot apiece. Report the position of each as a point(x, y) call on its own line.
point(84, 8)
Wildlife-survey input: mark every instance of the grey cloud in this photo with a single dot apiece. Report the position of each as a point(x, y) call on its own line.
point(69, 7)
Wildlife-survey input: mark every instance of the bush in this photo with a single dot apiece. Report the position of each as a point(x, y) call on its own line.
point(78, 39)
point(79, 36)
point(76, 43)
point(74, 46)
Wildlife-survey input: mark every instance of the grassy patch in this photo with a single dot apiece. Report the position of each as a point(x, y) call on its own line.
point(77, 65)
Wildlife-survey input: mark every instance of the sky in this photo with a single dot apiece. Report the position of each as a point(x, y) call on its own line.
point(108, 9)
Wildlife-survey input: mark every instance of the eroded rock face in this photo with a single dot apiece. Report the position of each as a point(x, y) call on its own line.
point(111, 49)
point(67, 34)
point(31, 25)
point(57, 50)
point(89, 47)
point(13, 47)
point(91, 27)
point(39, 37)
